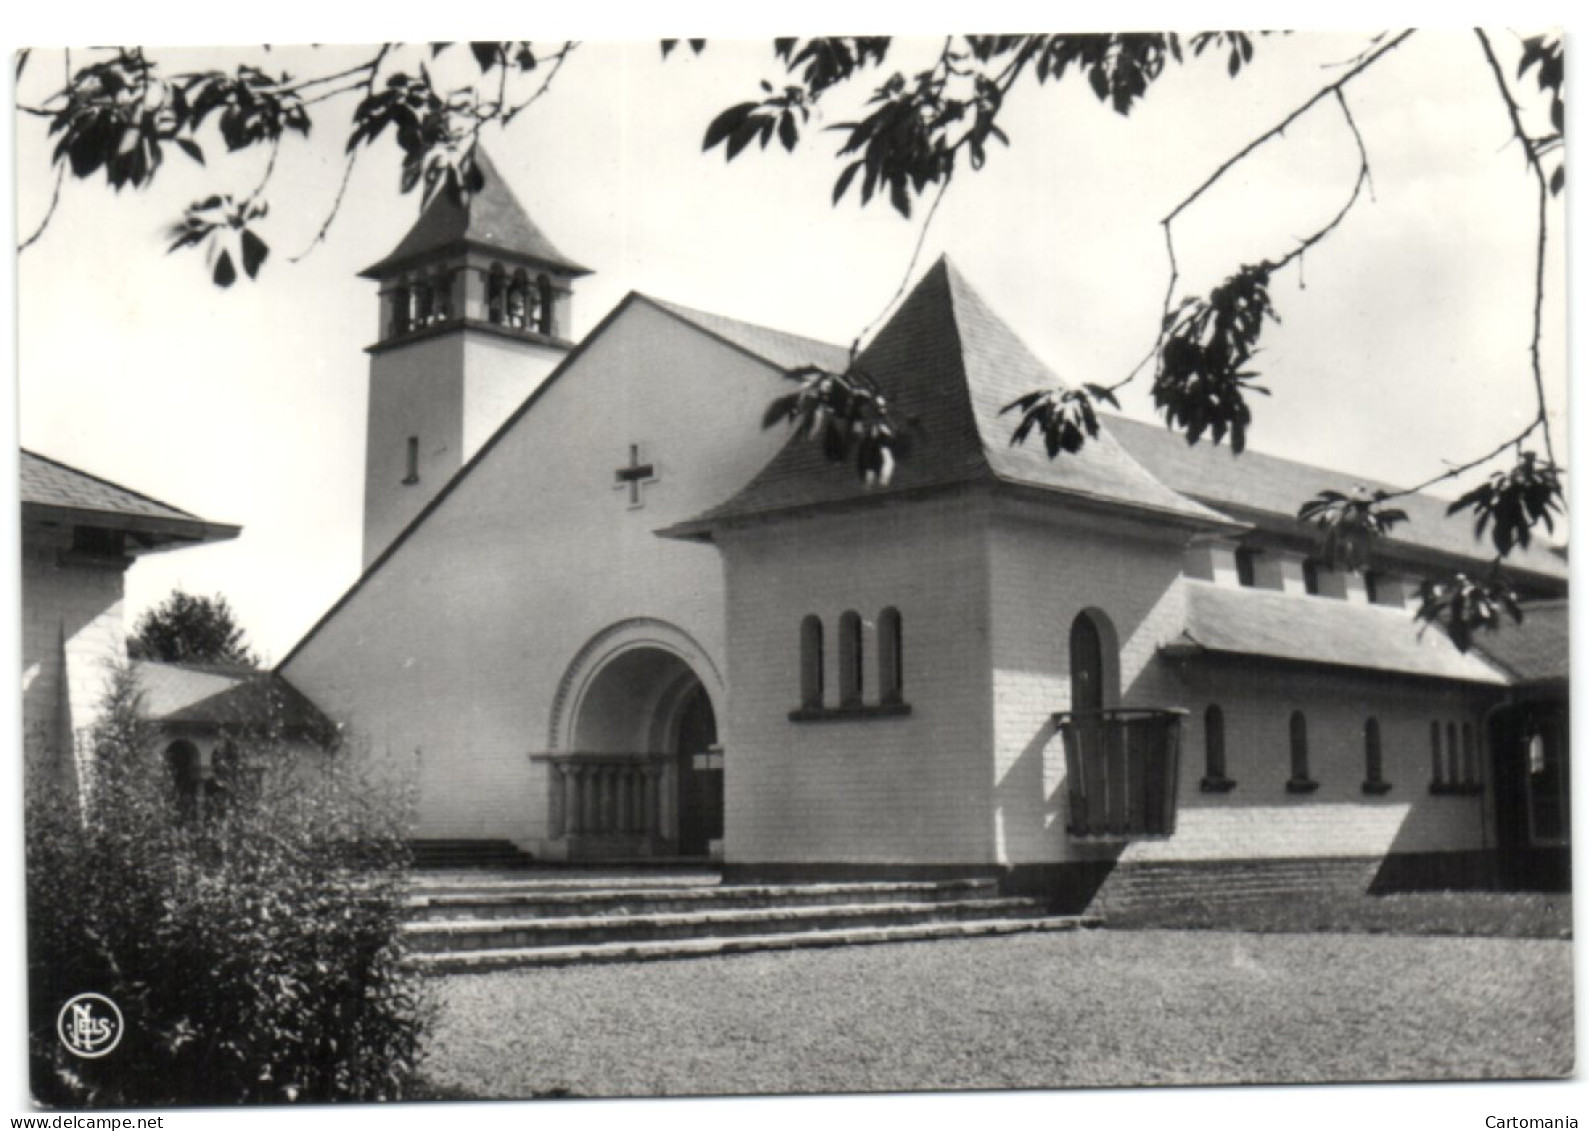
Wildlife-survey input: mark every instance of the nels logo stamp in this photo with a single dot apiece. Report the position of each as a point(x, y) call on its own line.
point(89, 1025)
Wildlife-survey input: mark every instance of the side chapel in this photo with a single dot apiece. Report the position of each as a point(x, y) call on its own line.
point(604, 615)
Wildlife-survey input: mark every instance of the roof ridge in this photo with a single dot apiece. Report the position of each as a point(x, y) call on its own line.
point(686, 311)
point(1362, 480)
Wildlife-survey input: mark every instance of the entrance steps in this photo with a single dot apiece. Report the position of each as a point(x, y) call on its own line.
point(493, 854)
point(563, 919)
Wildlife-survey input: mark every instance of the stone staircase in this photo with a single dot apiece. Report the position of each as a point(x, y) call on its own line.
point(494, 854)
point(477, 923)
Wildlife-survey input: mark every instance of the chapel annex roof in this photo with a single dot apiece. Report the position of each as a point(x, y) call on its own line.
point(950, 365)
point(1312, 630)
point(1535, 651)
point(1258, 487)
point(54, 491)
point(491, 220)
point(223, 696)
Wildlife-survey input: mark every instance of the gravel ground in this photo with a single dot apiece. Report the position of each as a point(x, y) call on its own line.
point(1091, 1008)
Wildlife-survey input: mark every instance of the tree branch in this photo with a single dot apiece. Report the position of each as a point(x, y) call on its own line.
point(558, 60)
point(49, 214)
point(336, 207)
point(910, 268)
point(1277, 130)
point(1532, 157)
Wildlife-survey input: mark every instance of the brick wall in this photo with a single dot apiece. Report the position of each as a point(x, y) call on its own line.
point(1045, 572)
point(1048, 566)
point(882, 789)
point(72, 635)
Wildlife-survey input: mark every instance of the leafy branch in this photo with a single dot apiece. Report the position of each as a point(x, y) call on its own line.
point(1205, 345)
point(119, 115)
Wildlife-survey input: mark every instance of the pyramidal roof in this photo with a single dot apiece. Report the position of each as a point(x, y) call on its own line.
point(490, 220)
point(946, 362)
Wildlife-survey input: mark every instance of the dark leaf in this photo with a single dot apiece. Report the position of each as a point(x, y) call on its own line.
point(224, 273)
point(726, 124)
point(254, 252)
point(486, 55)
point(788, 132)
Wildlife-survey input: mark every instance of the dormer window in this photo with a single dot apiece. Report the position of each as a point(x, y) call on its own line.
point(1246, 567)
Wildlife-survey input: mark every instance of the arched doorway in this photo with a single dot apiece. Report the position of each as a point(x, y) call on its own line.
point(700, 771)
point(643, 775)
point(1094, 662)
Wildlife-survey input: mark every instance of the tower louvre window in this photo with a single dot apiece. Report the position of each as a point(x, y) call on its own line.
point(497, 295)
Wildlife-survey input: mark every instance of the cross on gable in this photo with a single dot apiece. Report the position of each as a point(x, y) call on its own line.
point(635, 476)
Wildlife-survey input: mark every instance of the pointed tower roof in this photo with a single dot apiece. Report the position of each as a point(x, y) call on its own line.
point(491, 220)
point(947, 362)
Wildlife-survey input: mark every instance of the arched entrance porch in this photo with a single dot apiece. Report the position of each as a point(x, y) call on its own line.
point(639, 771)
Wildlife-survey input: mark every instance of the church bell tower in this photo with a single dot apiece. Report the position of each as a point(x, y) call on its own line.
point(474, 308)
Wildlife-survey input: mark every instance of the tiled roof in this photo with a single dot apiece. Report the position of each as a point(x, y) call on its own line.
point(48, 483)
point(1320, 630)
point(1534, 651)
point(948, 364)
point(786, 351)
point(493, 218)
point(1275, 487)
point(219, 696)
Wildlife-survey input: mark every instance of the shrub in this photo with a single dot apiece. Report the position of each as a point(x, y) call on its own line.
point(250, 942)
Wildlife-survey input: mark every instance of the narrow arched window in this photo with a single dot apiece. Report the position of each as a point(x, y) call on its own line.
point(1436, 763)
point(891, 656)
point(1214, 743)
point(497, 295)
point(187, 776)
point(543, 305)
point(1373, 758)
point(850, 681)
point(811, 690)
point(1453, 756)
point(1299, 751)
point(1470, 755)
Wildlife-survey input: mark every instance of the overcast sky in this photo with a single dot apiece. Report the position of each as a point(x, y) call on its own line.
point(1404, 338)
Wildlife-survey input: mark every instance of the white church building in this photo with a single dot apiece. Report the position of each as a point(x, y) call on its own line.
point(605, 615)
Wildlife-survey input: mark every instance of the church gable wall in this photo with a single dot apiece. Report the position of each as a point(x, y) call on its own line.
point(450, 654)
point(867, 785)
